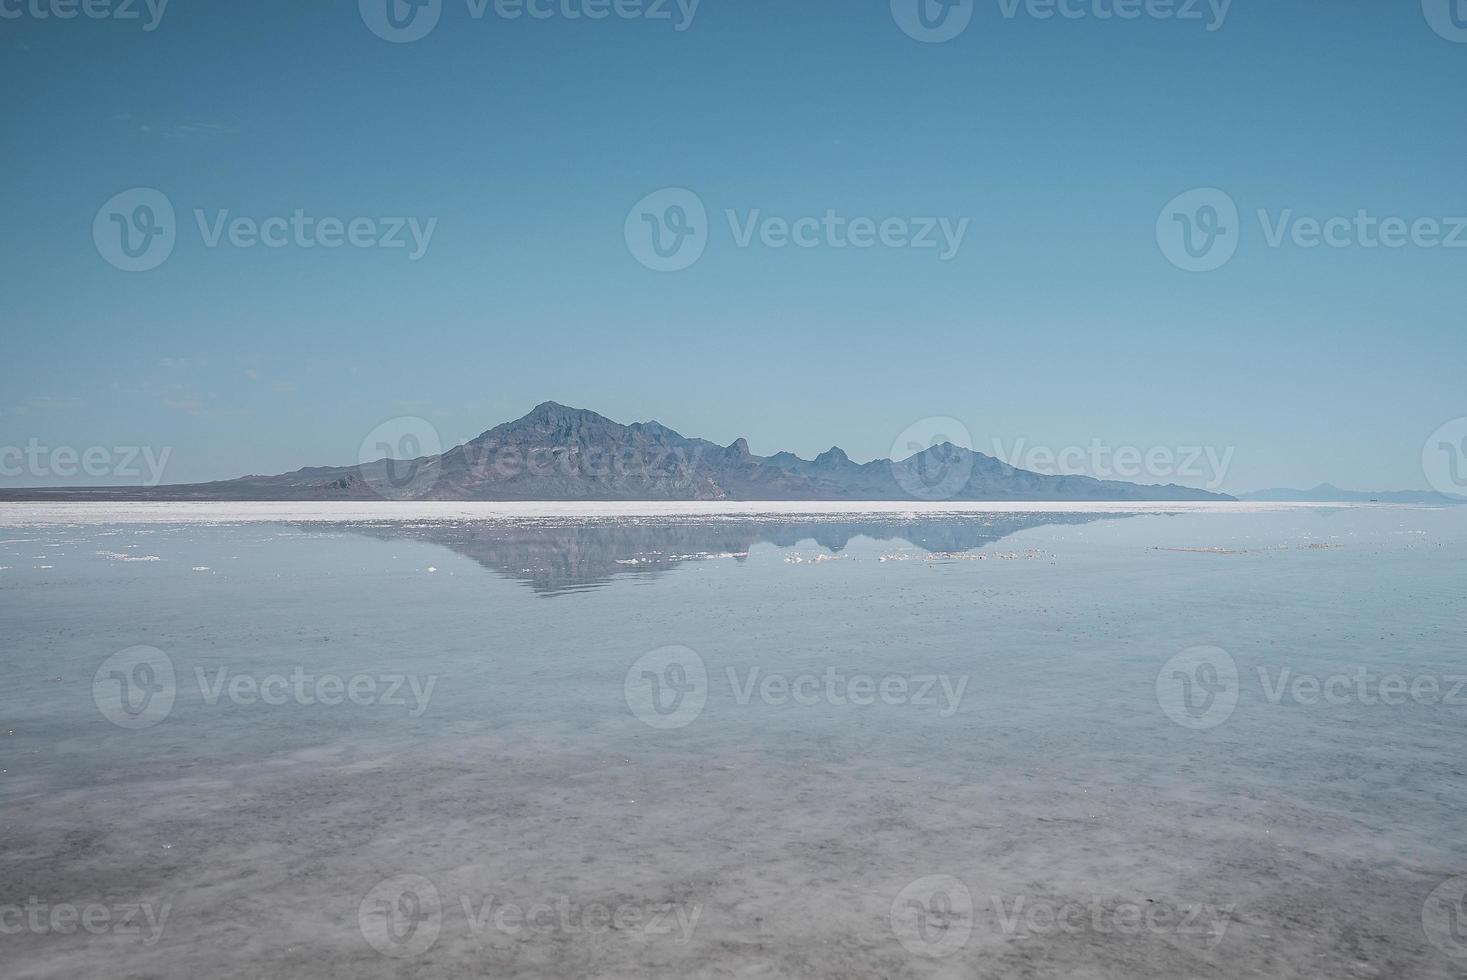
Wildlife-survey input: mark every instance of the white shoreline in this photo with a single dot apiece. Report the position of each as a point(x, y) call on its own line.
point(191, 512)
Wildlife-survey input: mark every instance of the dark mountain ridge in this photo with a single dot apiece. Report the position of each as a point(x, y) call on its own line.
point(556, 453)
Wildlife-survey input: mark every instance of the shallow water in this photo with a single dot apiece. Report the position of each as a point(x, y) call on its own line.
point(737, 741)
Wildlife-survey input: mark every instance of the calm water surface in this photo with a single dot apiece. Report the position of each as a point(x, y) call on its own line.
point(1220, 742)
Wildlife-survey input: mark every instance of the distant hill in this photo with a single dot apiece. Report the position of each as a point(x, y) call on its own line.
point(558, 453)
point(1329, 493)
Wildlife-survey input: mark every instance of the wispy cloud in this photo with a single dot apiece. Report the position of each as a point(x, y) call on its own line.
point(53, 403)
point(182, 132)
point(179, 398)
point(198, 132)
point(420, 407)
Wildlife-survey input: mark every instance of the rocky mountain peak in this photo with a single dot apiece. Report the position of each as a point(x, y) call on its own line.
point(832, 456)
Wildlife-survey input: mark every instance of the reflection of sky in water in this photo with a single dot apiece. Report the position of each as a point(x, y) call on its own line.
point(1058, 773)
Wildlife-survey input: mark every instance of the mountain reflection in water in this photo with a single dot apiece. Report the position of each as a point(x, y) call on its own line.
point(558, 558)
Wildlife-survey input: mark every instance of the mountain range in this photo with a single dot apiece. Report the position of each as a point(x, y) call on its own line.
point(557, 453)
point(1329, 493)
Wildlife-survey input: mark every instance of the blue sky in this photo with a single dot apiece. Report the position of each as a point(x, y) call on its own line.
point(1059, 321)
